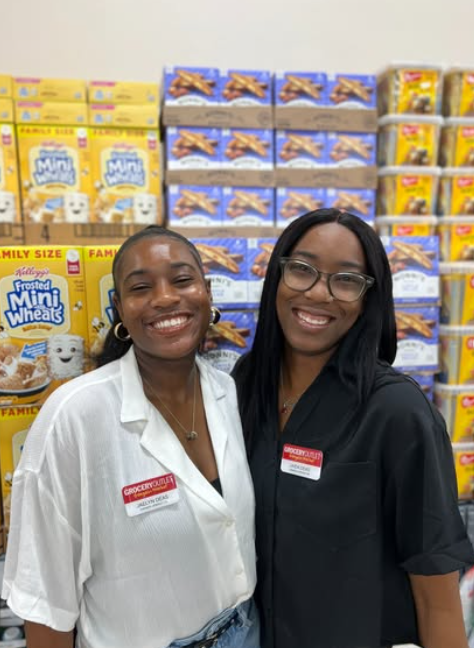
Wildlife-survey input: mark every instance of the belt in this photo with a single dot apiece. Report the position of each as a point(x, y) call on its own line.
point(212, 640)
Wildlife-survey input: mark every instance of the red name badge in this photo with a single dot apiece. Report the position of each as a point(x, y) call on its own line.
point(303, 462)
point(151, 494)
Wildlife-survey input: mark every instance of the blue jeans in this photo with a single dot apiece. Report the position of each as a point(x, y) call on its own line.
point(244, 633)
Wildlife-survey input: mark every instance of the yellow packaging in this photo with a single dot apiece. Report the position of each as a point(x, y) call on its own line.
point(36, 89)
point(464, 464)
point(56, 174)
point(410, 88)
point(6, 110)
point(407, 140)
point(98, 261)
point(123, 92)
point(409, 191)
point(457, 143)
point(126, 172)
point(406, 225)
point(457, 293)
point(456, 404)
point(458, 93)
point(9, 187)
point(456, 355)
point(124, 115)
point(55, 113)
point(43, 320)
point(456, 241)
point(456, 192)
point(6, 86)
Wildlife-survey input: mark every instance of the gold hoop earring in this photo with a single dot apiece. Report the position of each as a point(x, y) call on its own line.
point(215, 316)
point(125, 338)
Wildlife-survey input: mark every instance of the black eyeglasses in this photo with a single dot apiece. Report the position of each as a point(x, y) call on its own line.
point(344, 286)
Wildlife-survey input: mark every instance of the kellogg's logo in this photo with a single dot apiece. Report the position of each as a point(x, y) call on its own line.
point(467, 401)
point(410, 77)
point(409, 181)
point(125, 168)
point(54, 166)
point(466, 459)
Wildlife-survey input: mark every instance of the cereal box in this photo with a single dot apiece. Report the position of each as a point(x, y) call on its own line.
point(456, 192)
point(301, 149)
point(9, 188)
point(409, 140)
point(457, 355)
point(191, 86)
point(351, 149)
point(15, 423)
point(352, 91)
point(418, 336)
point(123, 92)
point(194, 206)
point(457, 293)
point(457, 143)
point(248, 206)
point(464, 464)
point(247, 148)
point(126, 172)
point(426, 381)
point(245, 87)
point(6, 110)
point(230, 338)
point(300, 89)
point(414, 262)
point(98, 261)
point(456, 238)
point(458, 93)
point(360, 202)
point(293, 202)
point(43, 319)
point(409, 191)
point(57, 114)
point(456, 404)
point(6, 86)
point(124, 115)
point(55, 172)
point(49, 89)
point(259, 253)
point(410, 88)
point(225, 263)
point(193, 148)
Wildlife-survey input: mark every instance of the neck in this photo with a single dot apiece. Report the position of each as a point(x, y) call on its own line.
point(298, 371)
point(172, 380)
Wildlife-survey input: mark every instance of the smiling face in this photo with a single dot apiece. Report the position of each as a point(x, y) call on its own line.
point(313, 323)
point(162, 298)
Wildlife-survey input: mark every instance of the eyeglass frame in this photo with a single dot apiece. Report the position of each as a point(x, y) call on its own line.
point(369, 281)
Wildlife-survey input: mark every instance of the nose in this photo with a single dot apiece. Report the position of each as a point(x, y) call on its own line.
point(319, 292)
point(164, 294)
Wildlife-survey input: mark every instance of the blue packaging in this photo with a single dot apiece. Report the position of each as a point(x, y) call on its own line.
point(259, 252)
point(194, 206)
point(418, 338)
point(230, 338)
point(225, 264)
point(301, 89)
point(292, 202)
point(360, 202)
point(245, 88)
point(352, 91)
point(414, 262)
point(191, 86)
point(248, 206)
point(247, 148)
point(352, 149)
point(301, 149)
point(193, 148)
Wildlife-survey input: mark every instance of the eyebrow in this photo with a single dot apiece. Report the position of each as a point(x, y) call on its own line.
point(174, 266)
point(314, 258)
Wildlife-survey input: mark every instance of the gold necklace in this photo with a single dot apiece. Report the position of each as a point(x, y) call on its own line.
point(191, 435)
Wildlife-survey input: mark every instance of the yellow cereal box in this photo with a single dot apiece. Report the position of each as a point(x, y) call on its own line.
point(458, 93)
point(407, 88)
point(456, 238)
point(9, 188)
point(409, 140)
point(126, 173)
point(37, 89)
point(43, 320)
point(98, 261)
point(6, 110)
point(55, 171)
point(55, 113)
point(15, 423)
point(456, 192)
point(457, 143)
point(124, 115)
point(123, 92)
point(408, 190)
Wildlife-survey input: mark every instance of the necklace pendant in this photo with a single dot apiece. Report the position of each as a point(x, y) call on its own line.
point(191, 436)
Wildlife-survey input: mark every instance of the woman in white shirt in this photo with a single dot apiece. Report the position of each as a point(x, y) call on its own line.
point(132, 506)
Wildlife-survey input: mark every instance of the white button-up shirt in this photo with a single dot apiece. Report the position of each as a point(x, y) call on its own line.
point(75, 555)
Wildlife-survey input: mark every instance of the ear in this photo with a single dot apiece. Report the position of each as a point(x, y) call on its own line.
point(209, 289)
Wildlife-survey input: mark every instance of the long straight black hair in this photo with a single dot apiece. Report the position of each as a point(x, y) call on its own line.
point(373, 335)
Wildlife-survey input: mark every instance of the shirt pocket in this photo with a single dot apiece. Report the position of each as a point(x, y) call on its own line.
point(339, 509)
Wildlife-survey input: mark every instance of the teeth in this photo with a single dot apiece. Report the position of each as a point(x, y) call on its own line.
point(316, 320)
point(174, 321)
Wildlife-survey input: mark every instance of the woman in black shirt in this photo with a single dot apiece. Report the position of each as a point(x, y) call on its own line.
point(359, 536)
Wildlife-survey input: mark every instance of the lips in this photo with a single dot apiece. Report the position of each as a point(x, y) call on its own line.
point(171, 323)
point(311, 319)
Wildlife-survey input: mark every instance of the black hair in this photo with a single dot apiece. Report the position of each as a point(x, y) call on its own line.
point(373, 336)
point(114, 348)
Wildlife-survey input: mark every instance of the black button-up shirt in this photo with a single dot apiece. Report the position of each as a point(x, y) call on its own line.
point(334, 554)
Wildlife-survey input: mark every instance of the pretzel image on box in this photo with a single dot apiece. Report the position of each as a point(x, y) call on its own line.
point(189, 148)
point(229, 339)
point(187, 86)
point(245, 88)
point(413, 323)
point(350, 89)
point(360, 202)
point(352, 150)
point(293, 202)
point(247, 148)
point(244, 206)
point(259, 253)
point(194, 205)
point(418, 338)
point(301, 149)
point(300, 88)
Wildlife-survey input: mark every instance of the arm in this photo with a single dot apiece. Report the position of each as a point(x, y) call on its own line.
point(438, 610)
point(40, 636)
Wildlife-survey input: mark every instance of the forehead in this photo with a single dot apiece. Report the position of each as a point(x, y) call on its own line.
point(332, 242)
point(148, 253)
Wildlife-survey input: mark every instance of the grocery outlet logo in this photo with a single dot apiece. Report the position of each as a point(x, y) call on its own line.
point(125, 168)
point(34, 302)
point(52, 166)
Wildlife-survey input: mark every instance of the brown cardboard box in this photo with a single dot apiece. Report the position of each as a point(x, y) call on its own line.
point(221, 177)
point(79, 234)
point(227, 232)
point(12, 233)
point(219, 116)
point(351, 178)
point(316, 118)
